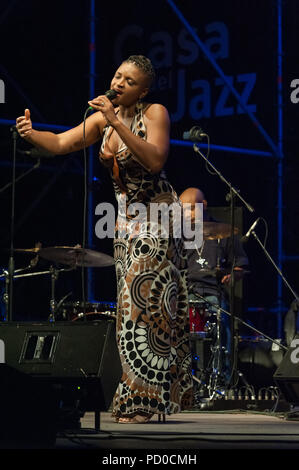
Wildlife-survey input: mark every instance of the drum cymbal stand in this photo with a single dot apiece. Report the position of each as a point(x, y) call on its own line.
point(54, 276)
point(215, 384)
point(53, 304)
point(6, 275)
point(216, 379)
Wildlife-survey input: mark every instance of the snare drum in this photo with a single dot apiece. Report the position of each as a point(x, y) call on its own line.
point(73, 311)
point(199, 318)
point(94, 316)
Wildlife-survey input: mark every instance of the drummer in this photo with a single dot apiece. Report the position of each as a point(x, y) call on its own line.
point(209, 266)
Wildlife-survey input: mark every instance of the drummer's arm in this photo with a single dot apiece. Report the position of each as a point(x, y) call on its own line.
point(241, 260)
point(238, 275)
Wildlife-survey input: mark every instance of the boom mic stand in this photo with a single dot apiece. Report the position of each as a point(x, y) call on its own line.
point(275, 265)
point(234, 334)
point(34, 167)
point(281, 346)
point(233, 192)
point(11, 263)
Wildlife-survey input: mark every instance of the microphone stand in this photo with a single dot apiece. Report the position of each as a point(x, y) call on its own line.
point(11, 262)
point(234, 334)
point(37, 165)
point(275, 265)
point(274, 341)
point(233, 192)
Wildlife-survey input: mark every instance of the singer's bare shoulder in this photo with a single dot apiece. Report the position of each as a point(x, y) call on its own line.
point(156, 112)
point(151, 109)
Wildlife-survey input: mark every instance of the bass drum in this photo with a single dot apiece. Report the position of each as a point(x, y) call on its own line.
point(201, 319)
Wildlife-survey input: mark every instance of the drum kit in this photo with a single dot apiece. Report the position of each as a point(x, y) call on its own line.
point(205, 322)
point(205, 325)
point(70, 258)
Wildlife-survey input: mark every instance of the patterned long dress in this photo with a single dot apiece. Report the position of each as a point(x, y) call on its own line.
point(152, 301)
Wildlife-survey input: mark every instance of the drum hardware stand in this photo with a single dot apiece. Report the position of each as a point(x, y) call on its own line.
point(218, 348)
point(217, 380)
point(58, 305)
point(214, 383)
point(217, 391)
point(54, 276)
point(216, 373)
point(53, 304)
point(6, 276)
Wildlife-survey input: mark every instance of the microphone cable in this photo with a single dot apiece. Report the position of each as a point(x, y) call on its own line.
point(111, 94)
point(84, 212)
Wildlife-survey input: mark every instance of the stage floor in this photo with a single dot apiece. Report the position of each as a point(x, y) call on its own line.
point(235, 429)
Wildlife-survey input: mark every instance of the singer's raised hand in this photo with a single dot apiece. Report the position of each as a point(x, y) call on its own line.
point(103, 104)
point(24, 124)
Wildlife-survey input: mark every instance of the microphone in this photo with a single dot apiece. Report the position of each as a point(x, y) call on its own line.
point(245, 238)
point(37, 153)
point(195, 134)
point(111, 94)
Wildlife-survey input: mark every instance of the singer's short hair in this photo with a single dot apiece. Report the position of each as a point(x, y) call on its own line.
point(144, 64)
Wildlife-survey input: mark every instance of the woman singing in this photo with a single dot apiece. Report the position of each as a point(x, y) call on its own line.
point(152, 300)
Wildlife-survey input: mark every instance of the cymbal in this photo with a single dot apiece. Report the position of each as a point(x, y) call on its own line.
point(72, 256)
point(217, 230)
point(27, 250)
point(212, 272)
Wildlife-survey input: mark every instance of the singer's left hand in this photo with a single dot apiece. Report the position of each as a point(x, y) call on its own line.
point(103, 104)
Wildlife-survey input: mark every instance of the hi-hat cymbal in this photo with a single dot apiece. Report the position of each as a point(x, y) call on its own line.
point(72, 256)
point(211, 272)
point(217, 230)
point(27, 250)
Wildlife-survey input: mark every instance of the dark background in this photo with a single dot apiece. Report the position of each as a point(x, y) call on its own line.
point(45, 50)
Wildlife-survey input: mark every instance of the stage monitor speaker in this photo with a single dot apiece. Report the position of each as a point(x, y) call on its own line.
point(44, 365)
point(287, 373)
